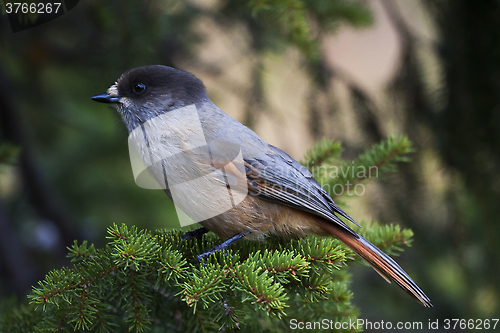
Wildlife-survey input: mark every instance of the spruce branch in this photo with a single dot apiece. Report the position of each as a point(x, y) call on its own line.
point(258, 287)
point(284, 266)
point(138, 271)
point(206, 285)
point(323, 152)
point(340, 178)
point(388, 238)
point(138, 277)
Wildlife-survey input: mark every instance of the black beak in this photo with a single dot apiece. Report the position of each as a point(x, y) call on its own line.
point(105, 98)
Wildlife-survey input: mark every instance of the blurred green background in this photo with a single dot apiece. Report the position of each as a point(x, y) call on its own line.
point(294, 72)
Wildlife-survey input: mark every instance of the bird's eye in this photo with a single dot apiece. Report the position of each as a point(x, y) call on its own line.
point(139, 87)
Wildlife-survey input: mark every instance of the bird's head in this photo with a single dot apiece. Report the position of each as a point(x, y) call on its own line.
point(143, 93)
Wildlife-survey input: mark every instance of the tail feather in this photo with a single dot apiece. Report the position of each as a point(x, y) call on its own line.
point(381, 262)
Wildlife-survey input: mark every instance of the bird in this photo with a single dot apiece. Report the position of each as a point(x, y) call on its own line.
point(282, 197)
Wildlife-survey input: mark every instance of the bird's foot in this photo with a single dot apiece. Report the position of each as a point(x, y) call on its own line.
point(220, 247)
point(194, 234)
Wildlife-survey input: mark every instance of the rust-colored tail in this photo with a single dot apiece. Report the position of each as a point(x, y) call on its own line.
point(381, 262)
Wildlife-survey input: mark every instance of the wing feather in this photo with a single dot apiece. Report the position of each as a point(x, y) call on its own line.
point(277, 177)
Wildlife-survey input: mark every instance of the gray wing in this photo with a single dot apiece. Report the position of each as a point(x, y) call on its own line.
point(277, 177)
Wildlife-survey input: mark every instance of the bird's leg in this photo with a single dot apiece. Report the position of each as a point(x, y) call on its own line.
point(221, 246)
point(194, 234)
